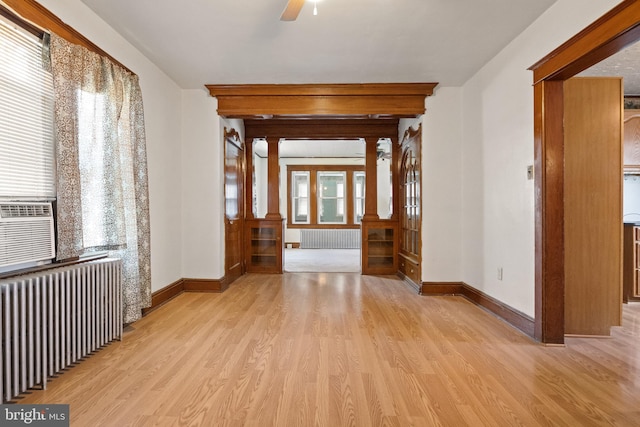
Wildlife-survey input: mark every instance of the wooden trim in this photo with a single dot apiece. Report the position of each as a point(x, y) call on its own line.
point(324, 129)
point(273, 180)
point(162, 296)
point(606, 36)
point(549, 210)
point(441, 288)
point(412, 133)
point(609, 34)
point(22, 23)
point(411, 142)
point(512, 316)
point(324, 226)
point(322, 168)
point(328, 100)
point(343, 89)
point(36, 14)
point(496, 307)
point(205, 285)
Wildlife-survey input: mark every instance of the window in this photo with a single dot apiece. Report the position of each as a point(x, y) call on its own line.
point(26, 118)
point(325, 196)
point(358, 194)
point(331, 191)
point(300, 197)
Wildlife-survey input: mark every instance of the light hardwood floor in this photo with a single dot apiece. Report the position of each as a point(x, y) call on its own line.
point(338, 349)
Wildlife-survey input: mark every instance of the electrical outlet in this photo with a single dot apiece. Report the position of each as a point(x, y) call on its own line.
point(530, 172)
point(499, 273)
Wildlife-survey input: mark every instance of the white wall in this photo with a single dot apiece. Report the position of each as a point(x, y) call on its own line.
point(497, 198)
point(162, 109)
point(442, 187)
point(202, 187)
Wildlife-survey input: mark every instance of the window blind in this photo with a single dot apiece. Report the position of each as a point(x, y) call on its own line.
point(26, 118)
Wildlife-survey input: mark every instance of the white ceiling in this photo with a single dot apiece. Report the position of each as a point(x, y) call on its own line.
point(199, 42)
point(625, 64)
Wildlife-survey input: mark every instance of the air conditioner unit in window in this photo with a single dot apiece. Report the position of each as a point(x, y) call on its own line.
point(26, 233)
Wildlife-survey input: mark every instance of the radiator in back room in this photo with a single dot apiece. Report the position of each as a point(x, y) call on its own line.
point(330, 238)
point(52, 319)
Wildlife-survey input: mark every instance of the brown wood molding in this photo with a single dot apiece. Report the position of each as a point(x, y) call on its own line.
point(162, 296)
point(441, 288)
point(205, 285)
point(412, 133)
point(500, 309)
point(609, 34)
point(549, 211)
point(317, 128)
point(512, 316)
point(233, 136)
point(36, 14)
point(331, 100)
point(340, 89)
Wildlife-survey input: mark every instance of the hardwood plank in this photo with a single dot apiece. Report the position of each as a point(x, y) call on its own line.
point(332, 349)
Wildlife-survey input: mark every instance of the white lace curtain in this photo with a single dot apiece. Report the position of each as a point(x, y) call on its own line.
point(102, 188)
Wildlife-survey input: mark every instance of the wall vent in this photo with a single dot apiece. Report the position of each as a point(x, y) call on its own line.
point(26, 233)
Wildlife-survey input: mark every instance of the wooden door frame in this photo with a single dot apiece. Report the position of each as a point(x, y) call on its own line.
point(608, 35)
point(233, 137)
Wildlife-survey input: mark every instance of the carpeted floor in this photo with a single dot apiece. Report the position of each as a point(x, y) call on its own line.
point(322, 260)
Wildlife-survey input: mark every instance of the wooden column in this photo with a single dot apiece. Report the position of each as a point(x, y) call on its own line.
point(371, 179)
point(396, 153)
point(248, 178)
point(273, 188)
point(549, 219)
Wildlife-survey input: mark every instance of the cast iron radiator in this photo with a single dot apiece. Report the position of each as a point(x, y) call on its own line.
point(52, 319)
point(330, 239)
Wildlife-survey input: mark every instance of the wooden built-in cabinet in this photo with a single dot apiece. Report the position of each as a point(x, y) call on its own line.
point(632, 139)
point(379, 247)
point(631, 263)
point(264, 246)
point(410, 253)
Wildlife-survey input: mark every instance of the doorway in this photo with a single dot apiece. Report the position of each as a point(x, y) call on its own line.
point(608, 35)
point(322, 183)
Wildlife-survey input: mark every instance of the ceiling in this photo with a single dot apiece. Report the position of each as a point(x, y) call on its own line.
point(625, 64)
point(314, 148)
point(198, 42)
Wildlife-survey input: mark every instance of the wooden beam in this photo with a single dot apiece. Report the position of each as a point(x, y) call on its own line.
point(615, 30)
point(328, 100)
point(321, 128)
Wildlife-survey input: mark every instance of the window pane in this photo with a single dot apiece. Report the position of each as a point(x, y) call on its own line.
point(26, 118)
point(358, 193)
point(300, 197)
point(331, 203)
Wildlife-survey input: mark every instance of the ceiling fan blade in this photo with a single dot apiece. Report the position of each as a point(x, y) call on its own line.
point(292, 10)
